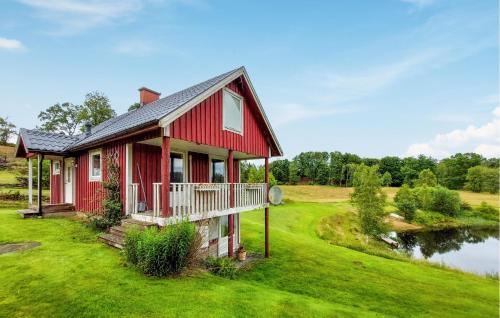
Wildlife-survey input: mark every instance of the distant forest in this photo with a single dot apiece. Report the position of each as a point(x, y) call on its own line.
point(469, 171)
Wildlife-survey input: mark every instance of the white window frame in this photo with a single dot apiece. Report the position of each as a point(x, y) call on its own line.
point(54, 170)
point(240, 98)
point(184, 163)
point(91, 154)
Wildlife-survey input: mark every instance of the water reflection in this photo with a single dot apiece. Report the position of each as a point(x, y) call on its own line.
point(470, 249)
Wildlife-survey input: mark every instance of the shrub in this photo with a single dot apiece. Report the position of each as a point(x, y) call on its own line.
point(465, 206)
point(406, 202)
point(369, 199)
point(98, 223)
point(222, 266)
point(386, 179)
point(112, 202)
point(445, 201)
point(161, 252)
point(482, 179)
point(423, 196)
point(487, 211)
point(426, 178)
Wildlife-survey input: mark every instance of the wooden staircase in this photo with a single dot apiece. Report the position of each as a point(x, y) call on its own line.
point(115, 237)
point(49, 210)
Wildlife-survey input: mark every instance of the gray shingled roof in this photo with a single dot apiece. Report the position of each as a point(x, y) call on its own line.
point(145, 116)
point(41, 141)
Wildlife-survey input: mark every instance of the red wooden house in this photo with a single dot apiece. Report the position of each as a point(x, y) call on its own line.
point(179, 157)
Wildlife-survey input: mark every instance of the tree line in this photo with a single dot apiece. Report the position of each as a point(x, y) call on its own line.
point(469, 171)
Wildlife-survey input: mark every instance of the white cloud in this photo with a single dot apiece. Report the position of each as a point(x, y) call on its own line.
point(289, 113)
point(135, 48)
point(420, 3)
point(10, 44)
point(484, 140)
point(79, 15)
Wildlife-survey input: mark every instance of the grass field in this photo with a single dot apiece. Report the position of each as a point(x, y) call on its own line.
point(323, 194)
point(72, 274)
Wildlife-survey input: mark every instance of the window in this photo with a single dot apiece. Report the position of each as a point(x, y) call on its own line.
point(224, 226)
point(176, 168)
point(67, 175)
point(218, 171)
point(232, 105)
point(56, 167)
point(95, 165)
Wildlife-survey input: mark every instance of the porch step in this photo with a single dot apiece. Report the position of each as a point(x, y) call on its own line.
point(112, 240)
point(137, 223)
point(116, 235)
point(49, 210)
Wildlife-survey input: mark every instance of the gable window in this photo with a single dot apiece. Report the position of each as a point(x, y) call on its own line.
point(95, 165)
point(56, 167)
point(232, 117)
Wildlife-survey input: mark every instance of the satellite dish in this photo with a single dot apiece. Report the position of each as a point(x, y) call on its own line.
point(275, 195)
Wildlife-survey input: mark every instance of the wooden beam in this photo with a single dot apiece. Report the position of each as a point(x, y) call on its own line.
point(230, 175)
point(165, 176)
point(30, 182)
point(266, 210)
point(39, 194)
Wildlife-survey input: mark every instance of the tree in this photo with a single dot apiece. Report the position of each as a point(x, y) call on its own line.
point(426, 178)
point(313, 165)
point(406, 202)
point(96, 109)
point(412, 166)
point(293, 173)
point(482, 179)
point(393, 166)
point(347, 175)
point(134, 106)
point(386, 179)
point(280, 170)
point(257, 175)
point(452, 171)
point(244, 170)
point(7, 129)
point(369, 199)
point(61, 118)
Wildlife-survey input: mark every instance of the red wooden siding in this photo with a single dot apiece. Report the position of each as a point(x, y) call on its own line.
point(56, 184)
point(199, 167)
point(89, 194)
point(148, 158)
point(203, 125)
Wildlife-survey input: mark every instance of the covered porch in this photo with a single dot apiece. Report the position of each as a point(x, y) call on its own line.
point(170, 179)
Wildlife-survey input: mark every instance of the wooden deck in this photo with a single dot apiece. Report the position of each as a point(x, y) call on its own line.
point(49, 210)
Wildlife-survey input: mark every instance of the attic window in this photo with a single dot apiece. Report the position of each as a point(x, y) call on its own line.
point(56, 167)
point(95, 165)
point(232, 117)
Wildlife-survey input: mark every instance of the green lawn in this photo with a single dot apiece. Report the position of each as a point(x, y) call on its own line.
point(7, 177)
point(73, 275)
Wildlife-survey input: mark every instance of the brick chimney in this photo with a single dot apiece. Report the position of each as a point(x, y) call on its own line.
point(147, 96)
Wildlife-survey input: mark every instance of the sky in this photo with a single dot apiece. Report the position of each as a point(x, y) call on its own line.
point(376, 78)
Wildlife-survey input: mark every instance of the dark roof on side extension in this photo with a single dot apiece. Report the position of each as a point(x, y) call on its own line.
point(147, 115)
point(44, 142)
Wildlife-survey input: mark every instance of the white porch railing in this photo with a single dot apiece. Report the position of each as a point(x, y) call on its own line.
point(134, 197)
point(204, 199)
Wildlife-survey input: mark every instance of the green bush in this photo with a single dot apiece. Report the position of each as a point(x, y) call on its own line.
point(98, 223)
point(429, 218)
point(423, 196)
point(426, 178)
point(406, 202)
point(487, 211)
point(445, 201)
point(222, 266)
point(161, 252)
point(465, 206)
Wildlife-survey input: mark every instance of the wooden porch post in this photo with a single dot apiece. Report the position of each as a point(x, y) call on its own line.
point(266, 210)
point(230, 175)
point(39, 194)
point(30, 182)
point(165, 175)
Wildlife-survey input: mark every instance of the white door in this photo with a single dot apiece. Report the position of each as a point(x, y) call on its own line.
point(223, 235)
point(68, 181)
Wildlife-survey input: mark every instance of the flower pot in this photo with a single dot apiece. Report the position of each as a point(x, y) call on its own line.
point(242, 256)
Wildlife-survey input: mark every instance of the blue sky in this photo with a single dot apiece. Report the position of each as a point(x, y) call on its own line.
point(393, 77)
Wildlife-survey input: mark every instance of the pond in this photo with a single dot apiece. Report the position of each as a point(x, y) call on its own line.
point(471, 250)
